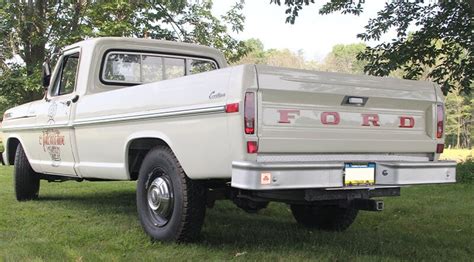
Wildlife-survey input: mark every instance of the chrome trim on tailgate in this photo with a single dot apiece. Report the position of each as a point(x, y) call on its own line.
point(341, 157)
point(284, 166)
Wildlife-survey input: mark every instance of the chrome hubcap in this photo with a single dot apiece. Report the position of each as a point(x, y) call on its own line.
point(160, 200)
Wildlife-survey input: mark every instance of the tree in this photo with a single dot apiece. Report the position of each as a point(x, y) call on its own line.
point(285, 58)
point(343, 59)
point(459, 109)
point(256, 54)
point(274, 57)
point(443, 41)
point(33, 30)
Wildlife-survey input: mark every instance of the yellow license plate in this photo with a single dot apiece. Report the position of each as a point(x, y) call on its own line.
point(359, 174)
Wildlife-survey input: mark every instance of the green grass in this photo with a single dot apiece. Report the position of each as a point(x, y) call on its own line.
point(98, 221)
point(465, 172)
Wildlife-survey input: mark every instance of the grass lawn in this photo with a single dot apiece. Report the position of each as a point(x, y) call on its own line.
point(97, 221)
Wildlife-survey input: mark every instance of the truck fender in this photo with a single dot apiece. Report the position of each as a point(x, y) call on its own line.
point(152, 135)
point(11, 144)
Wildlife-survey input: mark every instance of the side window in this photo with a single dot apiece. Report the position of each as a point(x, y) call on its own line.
point(137, 68)
point(66, 79)
point(152, 69)
point(199, 66)
point(122, 68)
point(174, 67)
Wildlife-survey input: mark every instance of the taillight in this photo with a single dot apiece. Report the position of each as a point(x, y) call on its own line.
point(439, 148)
point(252, 147)
point(249, 113)
point(440, 121)
point(232, 108)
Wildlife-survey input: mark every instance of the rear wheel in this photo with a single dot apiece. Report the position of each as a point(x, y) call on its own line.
point(331, 218)
point(26, 180)
point(171, 207)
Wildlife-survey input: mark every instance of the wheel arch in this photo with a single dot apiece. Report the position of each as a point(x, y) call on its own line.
point(11, 145)
point(137, 146)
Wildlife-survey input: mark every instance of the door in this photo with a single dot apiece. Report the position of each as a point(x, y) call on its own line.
point(54, 118)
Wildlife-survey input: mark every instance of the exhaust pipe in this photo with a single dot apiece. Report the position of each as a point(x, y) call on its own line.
point(367, 204)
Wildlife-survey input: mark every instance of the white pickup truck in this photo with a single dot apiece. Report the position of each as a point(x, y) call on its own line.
point(191, 130)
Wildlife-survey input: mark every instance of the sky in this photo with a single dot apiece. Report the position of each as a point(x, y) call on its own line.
point(313, 33)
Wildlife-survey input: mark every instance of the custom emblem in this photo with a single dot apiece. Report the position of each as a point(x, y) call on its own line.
point(55, 154)
point(52, 140)
point(215, 95)
point(52, 110)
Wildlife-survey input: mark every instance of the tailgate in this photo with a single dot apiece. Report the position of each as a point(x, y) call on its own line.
point(319, 112)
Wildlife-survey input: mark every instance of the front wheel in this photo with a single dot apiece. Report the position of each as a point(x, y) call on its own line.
point(27, 181)
point(171, 207)
point(330, 218)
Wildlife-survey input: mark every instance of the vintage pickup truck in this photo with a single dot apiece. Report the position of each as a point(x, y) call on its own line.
point(191, 130)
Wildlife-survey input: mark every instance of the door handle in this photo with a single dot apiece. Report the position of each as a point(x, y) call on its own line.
point(75, 98)
point(69, 102)
point(66, 103)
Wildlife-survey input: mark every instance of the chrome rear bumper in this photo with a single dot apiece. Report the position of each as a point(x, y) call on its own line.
point(330, 175)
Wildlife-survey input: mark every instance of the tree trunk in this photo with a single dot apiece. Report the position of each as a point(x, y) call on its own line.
point(458, 135)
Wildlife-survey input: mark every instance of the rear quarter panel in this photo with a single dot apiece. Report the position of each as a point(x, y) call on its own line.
point(108, 121)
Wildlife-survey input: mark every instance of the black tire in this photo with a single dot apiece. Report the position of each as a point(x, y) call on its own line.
point(249, 206)
point(330, 218)
point(26, 180)
point(183, 219)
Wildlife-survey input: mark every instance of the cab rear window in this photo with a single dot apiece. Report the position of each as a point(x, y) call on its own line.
point(139, 68)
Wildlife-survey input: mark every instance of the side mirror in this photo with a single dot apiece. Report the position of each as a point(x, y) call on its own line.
point(46, 74)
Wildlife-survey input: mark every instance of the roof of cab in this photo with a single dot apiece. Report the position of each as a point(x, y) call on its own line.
point(144, 44)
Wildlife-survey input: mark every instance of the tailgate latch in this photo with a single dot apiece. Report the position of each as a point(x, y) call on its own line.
point(354, 101)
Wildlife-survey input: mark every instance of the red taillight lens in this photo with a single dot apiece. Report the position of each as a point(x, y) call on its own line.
point(249, 113)
point(439, 148)
point(252, 147)
point(440, 121)
point(232, 108)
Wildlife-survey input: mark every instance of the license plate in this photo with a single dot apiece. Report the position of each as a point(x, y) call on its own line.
point(359, 174)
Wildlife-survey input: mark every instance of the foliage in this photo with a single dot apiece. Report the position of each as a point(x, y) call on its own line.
point(32, 30)
point(443, 40)
point(275, 57)
point(343, 59)
point(465, 172)
point(285, 58)
point(459, 127)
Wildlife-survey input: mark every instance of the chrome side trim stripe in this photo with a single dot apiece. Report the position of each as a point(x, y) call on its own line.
point(34, 127)
point(124, 117)
point(127, 117)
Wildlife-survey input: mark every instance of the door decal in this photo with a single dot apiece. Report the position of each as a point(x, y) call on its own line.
point(52, 140)
point(53, 109)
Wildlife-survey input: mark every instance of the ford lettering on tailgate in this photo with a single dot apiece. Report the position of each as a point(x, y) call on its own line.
point(308, 118)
